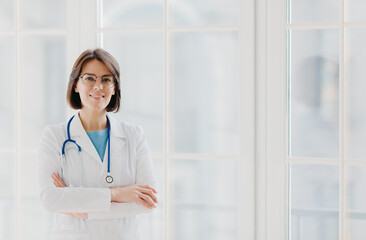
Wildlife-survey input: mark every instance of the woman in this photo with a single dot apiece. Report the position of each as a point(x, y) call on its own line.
point(95, 172)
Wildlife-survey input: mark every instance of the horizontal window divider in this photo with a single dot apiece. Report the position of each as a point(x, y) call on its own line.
point(193, 156)
point(320, 161)
point(310, 26)
point(205, 205)
point(169, 29)
point(8, 33)
point(28, 151)
point(7, 150)
point(358, 162)
point(42, 32)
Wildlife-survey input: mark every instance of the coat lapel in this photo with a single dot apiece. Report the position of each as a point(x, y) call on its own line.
point(118, 138)
point(78, 134)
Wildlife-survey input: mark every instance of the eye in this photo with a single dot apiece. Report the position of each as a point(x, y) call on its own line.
point(89, 79)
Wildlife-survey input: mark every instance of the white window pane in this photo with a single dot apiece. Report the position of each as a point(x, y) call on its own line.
point(357, 112)
point(7, 14)
point(44, 13)
point(7, 92)
point(7, 178)
point(204, 12)
point(140, 56)
point(132, 13)
point(205, 199)
point(205, 81)
point(314, 93)
point(32, 213)
point(356, 202)
point(314, 202)
point(35, 222)
point(153, 223)
point(310, 11)
point(42, 85)
point(27, 179)
point(357, 10)
point(7, 196)
point(7, 218)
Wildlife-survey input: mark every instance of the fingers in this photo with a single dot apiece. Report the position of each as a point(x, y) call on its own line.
point(147, 186)
point(147, 200)
point(76, 215)
point(150, 193)
point(57, 180)
point(143, 203)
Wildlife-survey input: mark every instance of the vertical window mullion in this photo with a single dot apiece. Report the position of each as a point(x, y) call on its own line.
point(17, 125)
point(342, 123)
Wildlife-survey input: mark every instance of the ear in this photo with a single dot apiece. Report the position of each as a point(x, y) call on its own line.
point(76, 89)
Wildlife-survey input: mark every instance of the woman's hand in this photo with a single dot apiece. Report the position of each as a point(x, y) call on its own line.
point(57, 180)
point(59, 183)
point(140, 194)
point(77, 215)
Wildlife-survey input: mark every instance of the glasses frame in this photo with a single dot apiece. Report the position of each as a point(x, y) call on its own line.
point(82, 79)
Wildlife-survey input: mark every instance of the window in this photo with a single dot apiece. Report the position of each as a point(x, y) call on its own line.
point(187, 79)
point(314, 119)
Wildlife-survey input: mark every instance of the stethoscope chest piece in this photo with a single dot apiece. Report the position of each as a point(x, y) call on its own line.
point(109, 179)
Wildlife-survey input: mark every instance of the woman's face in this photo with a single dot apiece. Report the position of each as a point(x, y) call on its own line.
point(97, 96)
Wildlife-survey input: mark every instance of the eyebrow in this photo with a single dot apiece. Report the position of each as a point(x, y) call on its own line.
point(96, 75)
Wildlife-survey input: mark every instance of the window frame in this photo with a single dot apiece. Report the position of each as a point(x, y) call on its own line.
point(89, 37)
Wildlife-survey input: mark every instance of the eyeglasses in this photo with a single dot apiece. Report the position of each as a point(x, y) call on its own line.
point(90, 79)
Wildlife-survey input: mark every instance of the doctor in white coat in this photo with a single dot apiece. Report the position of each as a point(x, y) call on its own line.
point(96, 195)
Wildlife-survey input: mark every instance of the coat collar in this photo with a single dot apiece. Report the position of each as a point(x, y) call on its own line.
point(77, 129)
point(78, 133)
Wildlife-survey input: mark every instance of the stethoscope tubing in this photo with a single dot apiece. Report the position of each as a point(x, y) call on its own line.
point(109, 178)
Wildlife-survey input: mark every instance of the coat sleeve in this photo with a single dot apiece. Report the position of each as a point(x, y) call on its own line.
point(145, 174)
point(68, 199)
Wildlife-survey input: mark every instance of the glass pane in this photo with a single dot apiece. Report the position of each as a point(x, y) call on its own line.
point(355, 66)
point(44, 14)
point(7, 175)
point(7, 92)
point(205, 74)
point(153, 224)
point(7, 15)
point(7, 218)
point(314, 202)
point(32, 214)
point(205, 199)
point(42, 85)
point(35, 221)
point(141, 60)
point(314, 93)
point(132, 13)
point(28, 182)
point(204, 12)
point(357, 10)
point(356, 202)
point(7, 196)
point(308, 11)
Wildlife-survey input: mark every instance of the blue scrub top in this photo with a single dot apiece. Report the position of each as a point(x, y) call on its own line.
point(99, 140)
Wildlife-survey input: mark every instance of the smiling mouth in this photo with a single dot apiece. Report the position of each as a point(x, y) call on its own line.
point(94, 96)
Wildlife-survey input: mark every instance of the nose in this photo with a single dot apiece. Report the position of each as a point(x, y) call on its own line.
point(98, 85)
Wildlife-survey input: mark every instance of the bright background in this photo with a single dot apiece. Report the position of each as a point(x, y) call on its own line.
point(254, 110)
point(179, 79)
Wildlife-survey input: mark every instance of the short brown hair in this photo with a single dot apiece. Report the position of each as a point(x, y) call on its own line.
point(102, 55)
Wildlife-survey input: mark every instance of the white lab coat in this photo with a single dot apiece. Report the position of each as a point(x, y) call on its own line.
point(130, 164)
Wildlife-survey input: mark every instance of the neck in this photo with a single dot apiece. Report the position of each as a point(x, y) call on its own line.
point(93, 120)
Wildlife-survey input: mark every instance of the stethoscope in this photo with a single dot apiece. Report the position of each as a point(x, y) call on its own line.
point(108, 178)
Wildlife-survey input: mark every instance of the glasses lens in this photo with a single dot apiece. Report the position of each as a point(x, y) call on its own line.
point(89, 79)
point(108, 81)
